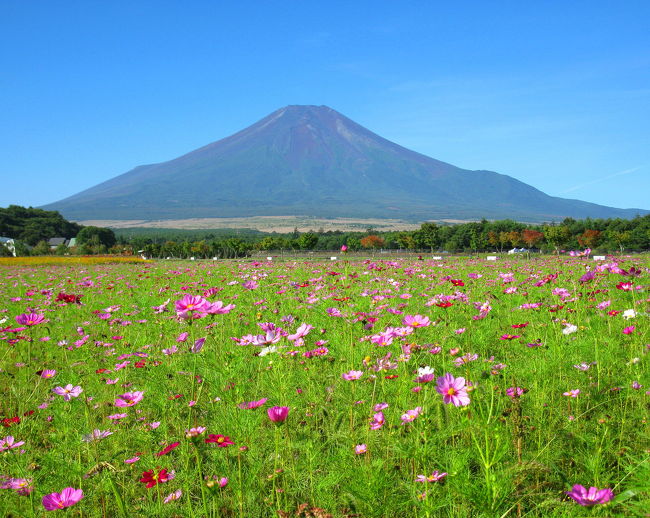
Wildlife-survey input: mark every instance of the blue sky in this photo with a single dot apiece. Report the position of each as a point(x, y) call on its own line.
point(555, 94)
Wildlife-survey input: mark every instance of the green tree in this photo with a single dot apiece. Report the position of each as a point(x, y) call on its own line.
point(557, 236)
point(96, 236)
point(307, 241)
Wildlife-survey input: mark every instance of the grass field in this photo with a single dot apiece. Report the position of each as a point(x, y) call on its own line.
point(454, 388)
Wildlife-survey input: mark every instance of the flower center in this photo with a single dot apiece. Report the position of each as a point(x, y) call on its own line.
point(451, 391)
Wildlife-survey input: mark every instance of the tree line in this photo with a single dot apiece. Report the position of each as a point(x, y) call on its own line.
point(31, 228)
point(600, 235)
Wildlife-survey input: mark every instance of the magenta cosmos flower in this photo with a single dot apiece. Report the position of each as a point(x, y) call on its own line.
point(591, 496)
point(352, 375)
point(416, 321)
point(129, 399)
point(453, 390)
point(222, 441)
point(30, 319)
point(68, 392)
point(69, 496)
point(186, 306)
point(278, 414)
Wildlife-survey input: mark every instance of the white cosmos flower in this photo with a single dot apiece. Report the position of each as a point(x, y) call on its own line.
point(569, 329)
point(629, 313)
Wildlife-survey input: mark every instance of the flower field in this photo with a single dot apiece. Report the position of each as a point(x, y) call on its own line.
point(456, 387)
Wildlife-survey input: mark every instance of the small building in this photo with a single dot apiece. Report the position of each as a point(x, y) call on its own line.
point(55, 242)
point(9, 244)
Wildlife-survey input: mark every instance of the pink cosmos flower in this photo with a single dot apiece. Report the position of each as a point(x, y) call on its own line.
point(453, 390)
point(129, 399)
point(96, 435)
point(380, 406)
point(194, 432)
point(68, 497)
point(416, 321)
point(377, 421)
point(514, 392)
point(572, 393)
point(173, 496)
point(189, 304)
point(132, 460)
point(301, 332)
point(250, 405)
point(411, 415)
point(68, 392)
point(436, 476)
point(30, 319)
point(8, 443)
point(217, 308)
point(628, 330)
point(198, 345)
point(278, 414)
point(222, 441)
point(360, 449)
point(48, 373)
point(591, 496)
point(352, 375)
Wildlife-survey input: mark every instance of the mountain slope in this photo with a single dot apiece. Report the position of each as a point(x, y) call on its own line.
point(311, 160)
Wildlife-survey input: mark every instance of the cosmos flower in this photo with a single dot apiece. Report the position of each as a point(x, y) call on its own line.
point(352, 375)
point(189, 305)
point(66, 498)
point(173, 496)
point(250, 405)
point(194, 432)
point(9, 443)
point(360, 449)
point(416, 321)
point(436, 476)
point(591, 496)
point(167, 449)
point(301, 332)
point(377, 421)
point(129, 399)
point(96, 435)
point(30, 319)
point(222, 441)
point(452, 390)
point(150, 478)
point(514, 392)
point(411, 415)
point(68, 392)
point(278, 414)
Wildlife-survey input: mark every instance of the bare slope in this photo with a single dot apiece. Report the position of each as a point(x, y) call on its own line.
point(313, 161)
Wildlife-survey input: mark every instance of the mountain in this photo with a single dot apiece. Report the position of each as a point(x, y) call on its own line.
point(313, 161)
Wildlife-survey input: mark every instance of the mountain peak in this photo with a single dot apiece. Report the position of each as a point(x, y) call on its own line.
point(313, 161)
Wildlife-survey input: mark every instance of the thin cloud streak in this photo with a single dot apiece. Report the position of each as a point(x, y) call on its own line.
point(598, 180)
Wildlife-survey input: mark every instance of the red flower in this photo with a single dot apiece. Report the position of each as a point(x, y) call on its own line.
point(444, 304)
point(457, 282)
point(508, 337)
point(220, 440)
point(519, 326)
point(8, 421)
point(151, 478)
point(167, 449)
